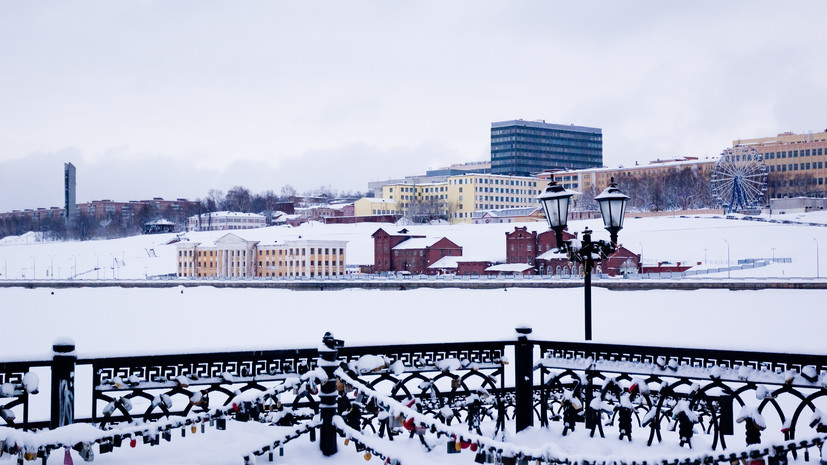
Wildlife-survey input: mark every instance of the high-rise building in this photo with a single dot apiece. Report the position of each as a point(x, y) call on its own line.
point(70, 205)
point(525, 148)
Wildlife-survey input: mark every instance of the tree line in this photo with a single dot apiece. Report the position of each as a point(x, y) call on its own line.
point(684, 189)
point(86, 226)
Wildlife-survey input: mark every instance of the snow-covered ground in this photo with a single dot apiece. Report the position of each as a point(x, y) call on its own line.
point(706, 240)
point(114, 320)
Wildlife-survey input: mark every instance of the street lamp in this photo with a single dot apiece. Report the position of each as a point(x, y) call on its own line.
point(612, 202)
point(728, 269)
point(818, 273)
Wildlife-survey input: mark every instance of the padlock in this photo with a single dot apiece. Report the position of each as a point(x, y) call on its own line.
point(480, 457)
point(221, 424)
point(367, 456)
point(452, 447)
point(105, 447)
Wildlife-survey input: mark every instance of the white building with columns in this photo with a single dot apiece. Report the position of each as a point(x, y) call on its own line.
point(234, 257)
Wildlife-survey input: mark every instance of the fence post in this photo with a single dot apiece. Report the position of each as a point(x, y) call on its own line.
point(63, 384)
point(524, 380)
point(328, 361)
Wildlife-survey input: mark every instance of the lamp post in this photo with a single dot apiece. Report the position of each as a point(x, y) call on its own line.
point(97, 266)
point(818, 272)
point(612, 202)
point(728, 269)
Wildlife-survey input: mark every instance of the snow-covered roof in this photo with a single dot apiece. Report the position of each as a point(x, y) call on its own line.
point(551, 254)
point(378, 200)
point(446, 262)
point(231, 214)
point(510, 267)
point(451, 261)
point(504, 212)
point(417, 243)
point(162, 223)
point(650, 165)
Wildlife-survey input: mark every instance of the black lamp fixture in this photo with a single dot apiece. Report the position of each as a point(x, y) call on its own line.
point(556, 202)
point(612, 208)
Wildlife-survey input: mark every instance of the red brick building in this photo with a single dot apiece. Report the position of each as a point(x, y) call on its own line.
point(523, 246)
point(408, 253)
point(538, 250)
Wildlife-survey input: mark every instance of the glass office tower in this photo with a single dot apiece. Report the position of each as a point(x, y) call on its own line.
point(525, 148)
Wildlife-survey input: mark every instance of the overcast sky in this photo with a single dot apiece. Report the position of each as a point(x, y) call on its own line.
point(174, 98)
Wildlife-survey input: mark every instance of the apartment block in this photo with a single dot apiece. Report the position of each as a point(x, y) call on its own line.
point(465, 194)
point(797, 163)
point(600, 178)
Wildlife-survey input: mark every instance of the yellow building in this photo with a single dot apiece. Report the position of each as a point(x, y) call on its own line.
point(462, 195)
point(797, 163)
point(600, 178)
point(234, 257)
point(370, 206)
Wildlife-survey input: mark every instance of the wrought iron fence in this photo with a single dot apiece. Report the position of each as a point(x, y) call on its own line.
point(634, 390)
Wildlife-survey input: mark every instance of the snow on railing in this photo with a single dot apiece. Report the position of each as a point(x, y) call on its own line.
point(807, 377)
point(551, 452)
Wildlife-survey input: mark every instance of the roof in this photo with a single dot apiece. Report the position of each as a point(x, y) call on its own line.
point(551, 254)
point(452, 261)
point(507, 212)
point(378, 200)
point(543, 125)
point(231, 214)
point(510, 267)
point(161, 223)
point(417, 243)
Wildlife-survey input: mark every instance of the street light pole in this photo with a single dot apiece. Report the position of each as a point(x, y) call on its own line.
point(727, 259)
point(818, 272)
point(587, 281)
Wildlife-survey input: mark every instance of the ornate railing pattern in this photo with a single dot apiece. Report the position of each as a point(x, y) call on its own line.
point(177, 384)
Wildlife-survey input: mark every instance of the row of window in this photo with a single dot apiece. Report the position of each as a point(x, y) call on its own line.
point(795, 153)
point(797, 167)
point(498, 190)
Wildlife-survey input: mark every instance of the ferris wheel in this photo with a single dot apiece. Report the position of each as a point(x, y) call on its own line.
point(739, 179)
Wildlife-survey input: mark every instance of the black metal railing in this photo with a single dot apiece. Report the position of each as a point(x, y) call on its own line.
point(570, 382)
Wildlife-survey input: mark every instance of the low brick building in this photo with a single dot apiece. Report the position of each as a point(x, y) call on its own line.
point(523, 246)
point(403, 252)
point(539, 251)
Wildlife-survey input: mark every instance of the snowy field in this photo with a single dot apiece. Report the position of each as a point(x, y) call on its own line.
point(120, 321)
point(688, 240)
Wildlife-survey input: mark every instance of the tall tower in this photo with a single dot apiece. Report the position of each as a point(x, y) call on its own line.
point(70, 205)
point(525, 148)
